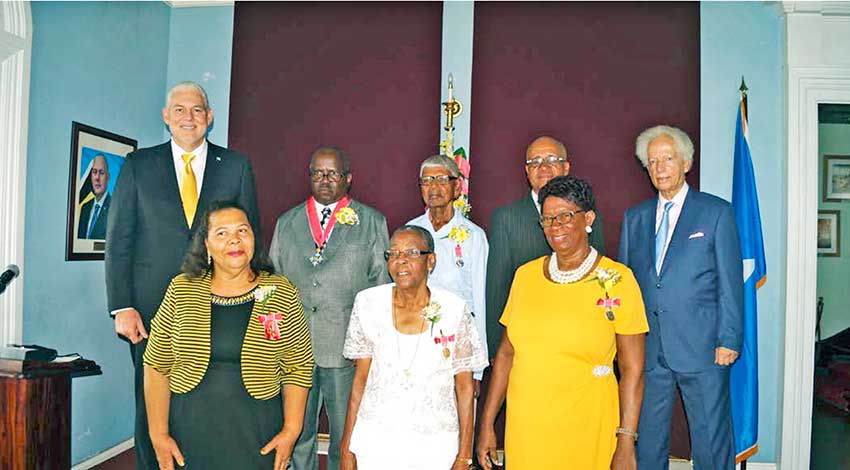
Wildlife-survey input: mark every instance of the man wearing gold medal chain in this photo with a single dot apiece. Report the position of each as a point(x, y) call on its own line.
point(330, 247)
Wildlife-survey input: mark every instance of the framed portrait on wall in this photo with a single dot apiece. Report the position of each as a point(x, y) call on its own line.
point(836, 178)
point(96, 160)
point(829, 233)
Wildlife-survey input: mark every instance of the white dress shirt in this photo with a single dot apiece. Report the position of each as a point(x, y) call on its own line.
point(534, 200)
point(672, 216)
point(198, 163)
point(319, 208)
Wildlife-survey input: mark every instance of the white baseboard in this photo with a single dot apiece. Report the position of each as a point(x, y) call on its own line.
point(687, 465)
point(105, 455)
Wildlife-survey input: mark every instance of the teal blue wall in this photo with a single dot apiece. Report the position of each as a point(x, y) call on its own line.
point(102, 64)
point(200, 43)
point(747, 39)
point(833, 272)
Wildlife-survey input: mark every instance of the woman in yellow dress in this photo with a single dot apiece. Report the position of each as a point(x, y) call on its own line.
point(568, 316)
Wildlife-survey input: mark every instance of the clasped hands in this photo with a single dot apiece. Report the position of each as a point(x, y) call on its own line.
point(167, 451)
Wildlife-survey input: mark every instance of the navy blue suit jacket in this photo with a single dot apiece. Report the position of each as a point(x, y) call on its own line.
point(695, 304)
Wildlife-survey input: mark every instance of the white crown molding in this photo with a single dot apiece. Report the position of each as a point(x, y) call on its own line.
point(198, 3)
point(15, 50)
point(822, 8)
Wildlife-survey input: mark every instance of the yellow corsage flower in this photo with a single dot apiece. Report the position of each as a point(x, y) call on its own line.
point(462, 204)
point(458, 234)
point(347, 216)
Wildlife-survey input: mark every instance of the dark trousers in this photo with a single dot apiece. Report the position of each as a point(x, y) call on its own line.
point(145, 456)
point(705, 395)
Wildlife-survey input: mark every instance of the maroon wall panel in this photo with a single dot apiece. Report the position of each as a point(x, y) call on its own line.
point(591, 74)
point(362, 76)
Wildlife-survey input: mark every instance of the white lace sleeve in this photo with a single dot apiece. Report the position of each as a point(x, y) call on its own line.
point(357, 343)
point(469, 353)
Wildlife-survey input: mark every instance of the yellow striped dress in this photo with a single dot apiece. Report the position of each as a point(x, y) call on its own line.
point(225, 373)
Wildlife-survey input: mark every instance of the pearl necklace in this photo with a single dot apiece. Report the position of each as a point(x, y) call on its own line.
point(573, 275)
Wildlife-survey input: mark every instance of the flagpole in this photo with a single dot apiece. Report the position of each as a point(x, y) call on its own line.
point(743, 89)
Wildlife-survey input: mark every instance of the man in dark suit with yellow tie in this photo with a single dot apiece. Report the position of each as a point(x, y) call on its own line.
point(515, 234)
point(157, 204)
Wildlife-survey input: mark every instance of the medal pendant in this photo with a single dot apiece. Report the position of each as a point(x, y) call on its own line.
point(609, 315)
point(446, 353)
point(459, 262)
point(316, 259)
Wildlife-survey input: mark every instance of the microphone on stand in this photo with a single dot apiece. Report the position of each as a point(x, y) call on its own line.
point(11, 272)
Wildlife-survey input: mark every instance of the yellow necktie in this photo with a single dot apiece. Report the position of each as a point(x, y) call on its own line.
point(188, 189)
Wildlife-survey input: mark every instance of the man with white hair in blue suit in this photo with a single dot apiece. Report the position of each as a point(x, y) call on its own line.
point(682, 247)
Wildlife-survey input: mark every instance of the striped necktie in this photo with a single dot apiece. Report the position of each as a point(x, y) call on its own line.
point(188, 189)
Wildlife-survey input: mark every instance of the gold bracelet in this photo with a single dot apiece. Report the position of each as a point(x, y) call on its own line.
point(626, 432)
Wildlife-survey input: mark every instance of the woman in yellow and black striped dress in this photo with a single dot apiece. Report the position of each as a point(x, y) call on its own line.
point(227, 339)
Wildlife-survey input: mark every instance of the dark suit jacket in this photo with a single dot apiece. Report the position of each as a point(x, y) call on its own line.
point(147, 235)
point(515, 239)
point(696, 303)
point(99, 230)
point(353, 261)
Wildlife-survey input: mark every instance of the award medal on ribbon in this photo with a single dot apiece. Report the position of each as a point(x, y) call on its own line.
point(320, 237)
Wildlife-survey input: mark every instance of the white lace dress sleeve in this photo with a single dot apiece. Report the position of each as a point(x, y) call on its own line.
point(357, 343)
point(469, 353)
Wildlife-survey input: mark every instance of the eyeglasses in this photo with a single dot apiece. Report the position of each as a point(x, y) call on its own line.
point(551, 160)
point(563, 218)
point(331, 175)
point(409, 254)
point(442, 180)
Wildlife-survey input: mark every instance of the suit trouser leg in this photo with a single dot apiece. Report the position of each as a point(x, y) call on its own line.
point(656, 411)
point(705, 395)
point(304, 452)
point(336, 388)
point(145, 456)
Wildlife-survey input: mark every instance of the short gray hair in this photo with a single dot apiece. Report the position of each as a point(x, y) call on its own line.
point(187, 85)
point(683, 143)
point(421, 232)
point(440, 161)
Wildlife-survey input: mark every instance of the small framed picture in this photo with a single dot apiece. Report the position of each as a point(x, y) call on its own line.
point(836, 178)
point(829, 233)
point(96, 160)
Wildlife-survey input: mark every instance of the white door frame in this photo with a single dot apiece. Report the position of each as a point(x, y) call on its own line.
point(818, 71)
point(15, 52)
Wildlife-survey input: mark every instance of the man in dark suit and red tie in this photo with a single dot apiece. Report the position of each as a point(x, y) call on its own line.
point(159, 198)
point(682, 247)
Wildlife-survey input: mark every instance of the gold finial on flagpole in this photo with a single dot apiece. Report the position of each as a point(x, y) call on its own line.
point(452, 108)
point(743, 88)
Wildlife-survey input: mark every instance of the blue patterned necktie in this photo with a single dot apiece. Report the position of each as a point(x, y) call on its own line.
point(95, 213)
point(661, 236)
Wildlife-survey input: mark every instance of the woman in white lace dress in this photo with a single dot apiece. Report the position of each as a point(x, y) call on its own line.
point(415, 348)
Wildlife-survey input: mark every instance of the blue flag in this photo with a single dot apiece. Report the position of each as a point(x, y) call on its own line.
point(744, 373)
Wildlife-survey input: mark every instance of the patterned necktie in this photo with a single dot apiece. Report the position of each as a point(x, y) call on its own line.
point(188, 189)
point(326, 213)
point(661, 236)
point(94, 216)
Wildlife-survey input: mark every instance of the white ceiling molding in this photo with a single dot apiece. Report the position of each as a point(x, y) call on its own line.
point(198, 3)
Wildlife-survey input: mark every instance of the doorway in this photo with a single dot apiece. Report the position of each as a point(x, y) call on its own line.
point(831, 407)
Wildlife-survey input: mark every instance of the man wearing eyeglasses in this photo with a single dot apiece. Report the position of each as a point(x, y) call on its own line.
point(330, 247)
point(460, 245)
point(515, 234)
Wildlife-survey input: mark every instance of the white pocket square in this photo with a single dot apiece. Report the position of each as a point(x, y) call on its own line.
point(696, 235)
